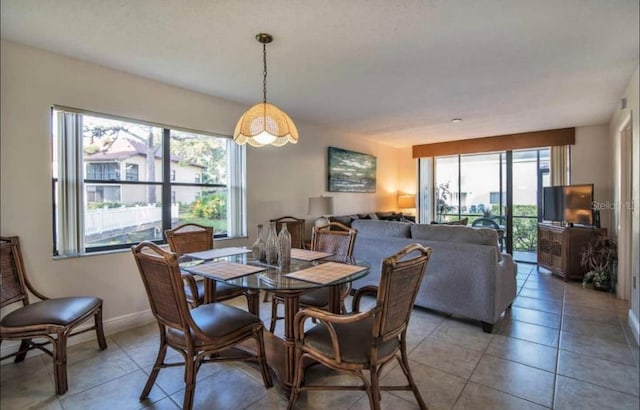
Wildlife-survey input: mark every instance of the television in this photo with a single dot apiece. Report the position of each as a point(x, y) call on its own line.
point(569, 203)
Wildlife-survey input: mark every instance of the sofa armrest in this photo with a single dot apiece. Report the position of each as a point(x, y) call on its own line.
point(505, 284)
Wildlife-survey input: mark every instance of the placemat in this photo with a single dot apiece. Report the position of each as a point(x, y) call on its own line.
point(325, 272)
point(305, 255)
point(225, 270)
point(218, 253)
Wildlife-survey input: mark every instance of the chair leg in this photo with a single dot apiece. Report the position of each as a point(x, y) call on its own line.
point(156, 368)
point(297, 381)
point(374, 396)
point(102, 343)
point(274, 314)
point(190, 370)
point(404, 365)
point(262, 359)
point(22, 351)
point(60, 362)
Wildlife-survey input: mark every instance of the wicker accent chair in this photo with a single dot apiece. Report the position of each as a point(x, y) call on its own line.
point(295, 226)
point(367, 340)
point(193, 237)
point(52, 319)
point(334, 238)
point(198, 334)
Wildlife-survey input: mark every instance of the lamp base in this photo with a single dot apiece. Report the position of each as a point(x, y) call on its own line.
point(322, 221)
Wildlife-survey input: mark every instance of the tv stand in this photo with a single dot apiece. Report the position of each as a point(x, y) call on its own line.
point(560, 247)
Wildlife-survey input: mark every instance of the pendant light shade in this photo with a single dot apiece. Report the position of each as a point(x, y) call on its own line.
point(264, 123)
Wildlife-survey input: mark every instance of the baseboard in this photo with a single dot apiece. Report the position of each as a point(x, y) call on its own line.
point(634, 324)
point(111, 326)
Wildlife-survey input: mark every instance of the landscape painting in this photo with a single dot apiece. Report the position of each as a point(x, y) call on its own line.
point(351, 171)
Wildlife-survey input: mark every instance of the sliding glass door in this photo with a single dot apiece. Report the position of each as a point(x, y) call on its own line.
point(499, 190)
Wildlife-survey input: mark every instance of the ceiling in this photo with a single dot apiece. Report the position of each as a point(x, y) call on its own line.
point(395, 71)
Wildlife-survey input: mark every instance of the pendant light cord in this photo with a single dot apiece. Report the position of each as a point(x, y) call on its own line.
point(264, 73)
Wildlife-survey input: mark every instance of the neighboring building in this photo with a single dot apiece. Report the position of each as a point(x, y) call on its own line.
point(126, 160)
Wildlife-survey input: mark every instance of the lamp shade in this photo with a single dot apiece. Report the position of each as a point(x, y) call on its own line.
point(265, 124)
point(406, 201)
point(320, 205)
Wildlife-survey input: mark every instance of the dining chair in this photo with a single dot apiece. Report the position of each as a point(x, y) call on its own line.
point(192, 237)
point(296, 227)
point(198, 334)
point(365, 340)
point(334, 238)
point(53, 319)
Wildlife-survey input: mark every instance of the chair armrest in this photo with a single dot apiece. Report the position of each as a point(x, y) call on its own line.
point(365, 290)
point(328, 319)
point(190, 281)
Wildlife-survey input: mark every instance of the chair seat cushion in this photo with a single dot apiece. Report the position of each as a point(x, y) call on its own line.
point(223, 291)
point(354, 340)
point(317, 297)
point(60, 311)
point(216, 320)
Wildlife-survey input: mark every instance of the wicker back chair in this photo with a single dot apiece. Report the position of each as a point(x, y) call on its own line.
point(334, 238)
point(198, 334)
point(366, 340)
point(52, 319)
point(295, 226)
point(193, 237)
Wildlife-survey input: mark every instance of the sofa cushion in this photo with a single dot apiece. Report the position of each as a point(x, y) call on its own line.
point(456, 233)
point(344, 220)
point(370, 227)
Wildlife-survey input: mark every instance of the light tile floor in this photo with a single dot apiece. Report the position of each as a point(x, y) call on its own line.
point(560, 346)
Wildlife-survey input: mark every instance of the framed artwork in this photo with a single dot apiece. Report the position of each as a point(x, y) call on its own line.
point(351, 171)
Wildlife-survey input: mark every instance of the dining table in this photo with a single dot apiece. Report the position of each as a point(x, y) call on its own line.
point(307, 270)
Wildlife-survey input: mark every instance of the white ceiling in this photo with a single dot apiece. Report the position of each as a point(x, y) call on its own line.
point(396, 71)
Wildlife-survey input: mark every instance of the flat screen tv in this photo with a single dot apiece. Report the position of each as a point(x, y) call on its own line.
point(569, 203)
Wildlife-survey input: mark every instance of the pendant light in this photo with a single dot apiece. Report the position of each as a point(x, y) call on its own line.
point(264, 123)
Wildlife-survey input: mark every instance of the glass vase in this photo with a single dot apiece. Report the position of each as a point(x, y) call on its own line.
point(270, 247)
point(284, 246)
point(258, 247)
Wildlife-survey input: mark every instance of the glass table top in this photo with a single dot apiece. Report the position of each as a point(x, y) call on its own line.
point(273, 277)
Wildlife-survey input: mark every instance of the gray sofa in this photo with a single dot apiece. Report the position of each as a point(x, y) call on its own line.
point(466, 276)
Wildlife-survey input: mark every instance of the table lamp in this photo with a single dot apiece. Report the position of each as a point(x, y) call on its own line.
point(406, 202)
point(323, 206)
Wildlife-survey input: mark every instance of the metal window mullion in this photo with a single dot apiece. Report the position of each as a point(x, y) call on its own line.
point(166, 180)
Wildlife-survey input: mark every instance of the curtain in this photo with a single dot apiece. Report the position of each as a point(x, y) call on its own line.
point(561, 165)
point(69, 228)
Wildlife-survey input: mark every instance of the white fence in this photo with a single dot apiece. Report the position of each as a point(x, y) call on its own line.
point(125, 218)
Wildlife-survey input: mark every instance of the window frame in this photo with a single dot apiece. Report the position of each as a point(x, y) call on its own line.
point(236, 178)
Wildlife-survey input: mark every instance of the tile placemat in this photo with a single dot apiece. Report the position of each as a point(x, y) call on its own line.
point(218, 253)
point(325, 272)
point(224, 270)
point(305, 255)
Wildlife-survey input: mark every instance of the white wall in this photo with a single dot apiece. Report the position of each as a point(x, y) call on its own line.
point(617, 121)
point(279, 180)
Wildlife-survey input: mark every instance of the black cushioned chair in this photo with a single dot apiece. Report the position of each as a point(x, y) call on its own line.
point(368, 340)
point(51, 318)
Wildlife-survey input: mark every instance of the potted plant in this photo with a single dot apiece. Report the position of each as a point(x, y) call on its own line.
point(599, 257)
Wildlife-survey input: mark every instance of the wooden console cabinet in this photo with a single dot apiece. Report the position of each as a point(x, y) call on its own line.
point(559, 248)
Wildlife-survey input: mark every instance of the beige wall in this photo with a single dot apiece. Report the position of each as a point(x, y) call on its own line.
point(591, 164)
point(279, 180)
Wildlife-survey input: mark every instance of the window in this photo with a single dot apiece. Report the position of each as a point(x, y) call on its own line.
point(110, 189)
point(132, 172)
